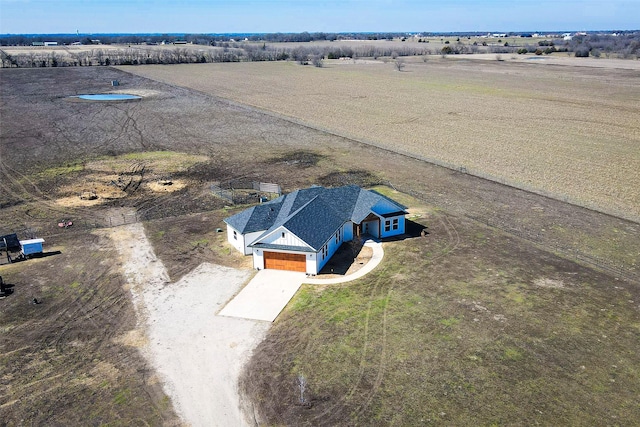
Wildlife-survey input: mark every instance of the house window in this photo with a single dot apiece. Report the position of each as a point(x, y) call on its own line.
point(337, 237)
point(395, 223)
point(387, 225)
point(235, 235)
point(324, 251)
point(283, 234)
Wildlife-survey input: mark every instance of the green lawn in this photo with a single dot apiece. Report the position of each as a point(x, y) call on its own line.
point(466, 326)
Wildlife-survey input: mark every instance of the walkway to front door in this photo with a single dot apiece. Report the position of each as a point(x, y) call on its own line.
point(268, 293)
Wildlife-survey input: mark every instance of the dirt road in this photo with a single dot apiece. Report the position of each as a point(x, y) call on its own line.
point(197, 354)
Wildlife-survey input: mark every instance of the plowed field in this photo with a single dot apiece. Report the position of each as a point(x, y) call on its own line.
point(569, 132)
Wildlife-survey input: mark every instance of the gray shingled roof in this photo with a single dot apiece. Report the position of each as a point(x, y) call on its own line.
point(315, 222)
point(313, 214)
point(256, 218)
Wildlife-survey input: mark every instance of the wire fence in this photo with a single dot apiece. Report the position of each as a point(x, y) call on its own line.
point(244, 191)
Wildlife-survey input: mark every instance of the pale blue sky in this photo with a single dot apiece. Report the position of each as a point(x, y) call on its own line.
point(261, 16)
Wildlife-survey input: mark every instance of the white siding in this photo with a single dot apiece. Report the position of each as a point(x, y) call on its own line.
point(312, 263)
point(235, 238)
point(249, 238)
point(258, 259)
point(282, 236)
point(241, 242)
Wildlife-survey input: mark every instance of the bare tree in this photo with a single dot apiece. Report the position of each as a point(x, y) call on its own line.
point(399, 64)
point(317, 61)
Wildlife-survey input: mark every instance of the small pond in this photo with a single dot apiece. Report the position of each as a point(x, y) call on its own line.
point(108, 97)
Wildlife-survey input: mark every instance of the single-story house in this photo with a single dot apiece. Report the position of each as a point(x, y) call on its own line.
point(300, 231)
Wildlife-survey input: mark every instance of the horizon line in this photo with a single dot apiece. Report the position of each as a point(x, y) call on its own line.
point(320, 32)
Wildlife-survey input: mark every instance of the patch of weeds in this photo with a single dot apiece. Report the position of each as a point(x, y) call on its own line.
point(362, 178)
point(445, 337)
point(165, 403)
point(75, 285)
point(303, 299)
point(450, 322)
point(201, 242)
point(122, 396)
point(402, 198)
point(150, 155)
point(514, 294)
point(60, 170)
point(298, 158)
point(512, 353)
point(160, 234)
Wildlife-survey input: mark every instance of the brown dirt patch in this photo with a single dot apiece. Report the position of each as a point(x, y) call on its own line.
point(96, 184)
point(166, 186)
point(41, 131)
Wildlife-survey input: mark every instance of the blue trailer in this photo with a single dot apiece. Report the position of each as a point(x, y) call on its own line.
point(31, 247)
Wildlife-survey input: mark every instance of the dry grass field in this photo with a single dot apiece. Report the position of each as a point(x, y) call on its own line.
point(568, 132)
point(514, 309)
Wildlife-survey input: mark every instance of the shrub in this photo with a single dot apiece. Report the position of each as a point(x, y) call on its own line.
point(582, 52)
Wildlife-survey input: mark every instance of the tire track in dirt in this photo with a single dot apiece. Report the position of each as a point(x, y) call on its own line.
point(338, 404)
point(13, 177)
point(337, 408)
point(453, 237)
point(383, 358)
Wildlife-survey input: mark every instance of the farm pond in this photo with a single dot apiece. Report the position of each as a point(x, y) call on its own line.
point(108, 97)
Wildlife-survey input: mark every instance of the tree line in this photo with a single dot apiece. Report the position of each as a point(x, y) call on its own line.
point(624, 46)
point(223, 52)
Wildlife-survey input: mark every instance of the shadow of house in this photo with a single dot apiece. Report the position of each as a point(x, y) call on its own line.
point(347, 253)
point(344, 258)
point(412, 230)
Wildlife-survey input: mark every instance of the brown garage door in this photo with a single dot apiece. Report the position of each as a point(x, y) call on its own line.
point(283, 261)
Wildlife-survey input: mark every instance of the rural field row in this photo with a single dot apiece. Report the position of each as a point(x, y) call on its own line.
point(568, 132)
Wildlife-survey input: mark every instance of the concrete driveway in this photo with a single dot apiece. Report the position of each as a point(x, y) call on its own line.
point(265, 295)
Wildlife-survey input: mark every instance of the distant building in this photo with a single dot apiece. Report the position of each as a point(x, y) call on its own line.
point(51, 43)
